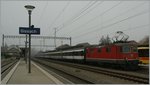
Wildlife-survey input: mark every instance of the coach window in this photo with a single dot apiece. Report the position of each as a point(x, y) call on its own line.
point(75, 53)
point(108, 49)
point(82, 53)
point(144, 52)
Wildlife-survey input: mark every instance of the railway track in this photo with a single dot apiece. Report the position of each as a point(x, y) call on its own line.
point(129, 77)
point(110, 73)
point(72, 78)
point(6, 67)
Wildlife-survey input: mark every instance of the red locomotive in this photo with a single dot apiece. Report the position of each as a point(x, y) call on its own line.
point(124, 54)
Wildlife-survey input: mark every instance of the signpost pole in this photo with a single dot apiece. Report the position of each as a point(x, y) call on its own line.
point(29, 42)
point(26, 49)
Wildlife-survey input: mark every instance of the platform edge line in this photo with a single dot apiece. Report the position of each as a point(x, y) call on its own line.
point(8, 76)
point(47, 74)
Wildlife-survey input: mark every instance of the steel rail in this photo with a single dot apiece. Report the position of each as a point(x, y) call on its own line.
point(5, 69)
point(45, 64)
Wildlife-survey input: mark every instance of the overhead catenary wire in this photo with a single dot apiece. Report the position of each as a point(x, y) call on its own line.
point(82, 10)
point(132, 28)
point(130, 17)
point(100, 14)
point(123, 13)
point(87, 12)
point(42, 13)
point(129, 29)
point(62, 11)
point(85, 34)
point(78, 15)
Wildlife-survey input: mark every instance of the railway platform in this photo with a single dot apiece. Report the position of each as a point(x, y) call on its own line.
point(19, 75)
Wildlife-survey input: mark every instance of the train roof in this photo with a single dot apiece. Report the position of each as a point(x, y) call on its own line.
point(122, 44)
point(82, 47)
point(146, 46)
point(60, 51)
point(139, 48)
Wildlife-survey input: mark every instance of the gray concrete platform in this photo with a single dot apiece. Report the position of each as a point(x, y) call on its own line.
point(37, 75)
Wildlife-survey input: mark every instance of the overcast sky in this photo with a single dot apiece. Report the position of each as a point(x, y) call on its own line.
point(84, 21)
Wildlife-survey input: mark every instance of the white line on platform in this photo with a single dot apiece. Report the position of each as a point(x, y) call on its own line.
point(49, 75)
point(8, 76)
point(63, 78)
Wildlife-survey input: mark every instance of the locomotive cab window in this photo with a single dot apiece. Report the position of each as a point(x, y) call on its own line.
point(126, 49)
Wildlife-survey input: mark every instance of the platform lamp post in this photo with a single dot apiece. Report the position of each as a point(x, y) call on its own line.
point(29, 9)
point(25, 55)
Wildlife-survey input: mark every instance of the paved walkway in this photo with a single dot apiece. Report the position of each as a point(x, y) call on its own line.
point(37, 75)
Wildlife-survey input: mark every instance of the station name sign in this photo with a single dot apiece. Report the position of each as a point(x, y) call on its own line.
point(27, 30)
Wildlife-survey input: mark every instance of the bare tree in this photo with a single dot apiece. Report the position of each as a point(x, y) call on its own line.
point(105, 40)
point(144, 41)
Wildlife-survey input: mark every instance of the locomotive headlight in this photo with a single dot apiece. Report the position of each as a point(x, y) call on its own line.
point(126, 58)
point(131, 55)
point(137, 58)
